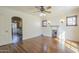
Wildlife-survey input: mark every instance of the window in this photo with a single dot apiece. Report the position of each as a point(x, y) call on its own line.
point(44, 23)
point(71, 21)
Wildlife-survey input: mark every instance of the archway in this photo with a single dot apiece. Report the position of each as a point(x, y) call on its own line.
point(16, 30)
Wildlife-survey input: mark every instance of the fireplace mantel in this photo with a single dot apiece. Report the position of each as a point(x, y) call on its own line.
point(54, 26)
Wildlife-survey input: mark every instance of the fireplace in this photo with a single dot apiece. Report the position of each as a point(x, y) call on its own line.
point(54, 33)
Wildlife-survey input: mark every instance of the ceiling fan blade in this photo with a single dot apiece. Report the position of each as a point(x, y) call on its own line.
point(35, 11)
point(43, 9)
point(48, 11)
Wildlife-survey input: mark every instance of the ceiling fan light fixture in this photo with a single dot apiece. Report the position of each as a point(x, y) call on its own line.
point(42, 14)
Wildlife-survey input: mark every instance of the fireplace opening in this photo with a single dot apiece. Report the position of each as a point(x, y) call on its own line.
point(54, 33)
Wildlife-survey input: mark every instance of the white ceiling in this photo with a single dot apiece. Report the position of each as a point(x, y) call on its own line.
point(54, 9)
point(21, 8)
point(32, 8)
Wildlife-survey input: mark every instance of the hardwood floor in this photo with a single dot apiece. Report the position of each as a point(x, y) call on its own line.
point(39, 44)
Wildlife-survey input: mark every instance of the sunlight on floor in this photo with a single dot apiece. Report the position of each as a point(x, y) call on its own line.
point(72, 48)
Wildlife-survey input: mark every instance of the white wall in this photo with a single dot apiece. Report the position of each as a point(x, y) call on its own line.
point(72, 33)
point(31, 25)
point(64, 32)
point(54, 19)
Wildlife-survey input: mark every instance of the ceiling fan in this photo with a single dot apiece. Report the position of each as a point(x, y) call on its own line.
point(43, 9)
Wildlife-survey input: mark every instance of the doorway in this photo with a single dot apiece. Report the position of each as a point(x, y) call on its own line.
point(16, 30)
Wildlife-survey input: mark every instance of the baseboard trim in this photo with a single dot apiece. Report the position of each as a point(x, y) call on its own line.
point(23, 40)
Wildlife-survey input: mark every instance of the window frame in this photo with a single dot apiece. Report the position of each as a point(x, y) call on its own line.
point(44, 21)
point(71, 17)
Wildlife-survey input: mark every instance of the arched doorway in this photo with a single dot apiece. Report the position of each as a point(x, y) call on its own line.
point(16, 30)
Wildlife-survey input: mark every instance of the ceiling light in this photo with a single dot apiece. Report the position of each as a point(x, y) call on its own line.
point(42, 14)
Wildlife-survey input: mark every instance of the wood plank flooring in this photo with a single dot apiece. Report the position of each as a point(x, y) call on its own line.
point(41, 44)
